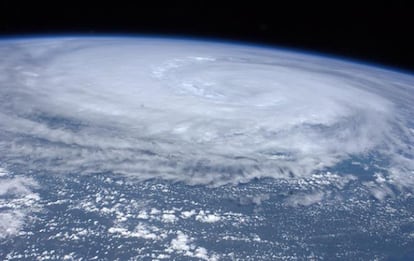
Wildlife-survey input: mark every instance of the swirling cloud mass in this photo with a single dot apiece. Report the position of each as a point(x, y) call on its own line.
point(198, 112)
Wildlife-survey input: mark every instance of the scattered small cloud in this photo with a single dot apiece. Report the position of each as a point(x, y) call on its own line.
point(305, 199)
point(183, 244)
point(253, 199)
point(204, 217)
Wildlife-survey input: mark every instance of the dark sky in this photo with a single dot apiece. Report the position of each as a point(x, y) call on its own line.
point(379, 33)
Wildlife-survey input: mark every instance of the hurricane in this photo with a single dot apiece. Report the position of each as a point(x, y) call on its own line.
point(194, 112)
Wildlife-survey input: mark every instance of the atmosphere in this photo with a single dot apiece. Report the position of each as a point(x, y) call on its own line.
point(197, 141)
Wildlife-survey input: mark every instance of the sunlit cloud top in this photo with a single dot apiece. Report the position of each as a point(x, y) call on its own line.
point(198, 112)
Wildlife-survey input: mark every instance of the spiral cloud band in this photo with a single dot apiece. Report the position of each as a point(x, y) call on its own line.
point(197, 112)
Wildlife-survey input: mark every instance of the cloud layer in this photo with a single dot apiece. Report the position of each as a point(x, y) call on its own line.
point(199, 112)
point(16, 202)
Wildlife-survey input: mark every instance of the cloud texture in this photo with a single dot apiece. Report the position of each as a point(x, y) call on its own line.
point(198, 112)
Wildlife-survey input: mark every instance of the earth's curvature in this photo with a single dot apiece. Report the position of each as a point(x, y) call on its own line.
point(148, 148)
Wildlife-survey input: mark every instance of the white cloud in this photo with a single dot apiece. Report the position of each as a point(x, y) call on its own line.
point(379, 190)
point(188, 214)
point(143, 214)
point(169, 218)
point(253, 199)
point(204, 217)
point(11, 222)
point(142, 230)
point(16, 186)
point(305, 199)
point(16, 201)
point(3, 172)
point(183, 244)
point(197, 112)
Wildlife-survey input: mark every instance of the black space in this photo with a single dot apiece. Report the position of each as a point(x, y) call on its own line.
point(378, 33)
